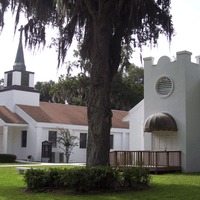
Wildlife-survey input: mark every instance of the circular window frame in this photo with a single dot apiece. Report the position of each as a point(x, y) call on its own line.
point(157, 83)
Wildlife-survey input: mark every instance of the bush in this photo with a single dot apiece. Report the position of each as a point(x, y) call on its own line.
point(7, 158)
point(83, 179)
point(90, 179)
point(35, 179)
point(135, 176)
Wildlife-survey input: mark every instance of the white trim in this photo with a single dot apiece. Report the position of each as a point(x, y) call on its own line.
point(17, 125)
point(132, 110)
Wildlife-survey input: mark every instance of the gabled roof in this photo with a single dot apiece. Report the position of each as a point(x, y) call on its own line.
point(68, 114)
point(8, 117)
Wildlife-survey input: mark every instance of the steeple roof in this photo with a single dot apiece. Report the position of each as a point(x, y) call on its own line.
point(19, 60)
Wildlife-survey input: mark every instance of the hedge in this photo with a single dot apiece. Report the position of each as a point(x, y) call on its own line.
point(7, 158)
point(83, 179)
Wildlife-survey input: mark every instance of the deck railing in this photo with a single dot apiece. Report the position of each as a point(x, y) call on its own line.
point(145, 159)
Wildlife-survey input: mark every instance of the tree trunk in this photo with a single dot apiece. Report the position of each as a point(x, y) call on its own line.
point(99, 110)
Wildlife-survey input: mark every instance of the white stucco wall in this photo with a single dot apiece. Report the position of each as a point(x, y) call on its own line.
point(16, 79)
point(136, 119)
point(31, 80)
point(39, 132)
point(14, 142)
point(193, 117)
point(175, 104)
point(182, 104)
point(5, 80)
point(11, 97)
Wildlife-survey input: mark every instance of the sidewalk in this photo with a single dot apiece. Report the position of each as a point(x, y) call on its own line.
point(26, 164)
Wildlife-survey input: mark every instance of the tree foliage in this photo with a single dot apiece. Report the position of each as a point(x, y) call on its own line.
point(73, 90)
point(67, 141)
point(127, 89)
point(104, 25)
point(1, 83)
point(44, 89)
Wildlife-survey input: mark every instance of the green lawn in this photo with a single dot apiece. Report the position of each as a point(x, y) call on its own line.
point(169, 186)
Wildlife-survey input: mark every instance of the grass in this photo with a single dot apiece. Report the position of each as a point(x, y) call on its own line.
point(168, 186)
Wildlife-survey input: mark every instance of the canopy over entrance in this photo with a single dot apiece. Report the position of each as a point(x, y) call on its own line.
point(160, 122)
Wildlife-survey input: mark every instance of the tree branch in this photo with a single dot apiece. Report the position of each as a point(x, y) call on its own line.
point(91, 7)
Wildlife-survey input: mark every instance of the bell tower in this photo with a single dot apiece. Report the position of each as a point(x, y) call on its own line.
point(19, 77)
point(19, 83)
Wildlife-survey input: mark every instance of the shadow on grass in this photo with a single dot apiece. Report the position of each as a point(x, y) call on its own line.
point(159, 191)
point(168, 186)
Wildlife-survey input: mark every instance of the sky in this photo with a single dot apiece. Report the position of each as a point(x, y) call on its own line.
point(185, 17)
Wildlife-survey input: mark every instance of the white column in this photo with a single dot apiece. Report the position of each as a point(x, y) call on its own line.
point(142, 135)
point(38, 145)
point(5, 139)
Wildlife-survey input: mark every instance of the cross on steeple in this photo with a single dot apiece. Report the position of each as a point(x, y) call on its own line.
point(19, 60)
point(21, 30)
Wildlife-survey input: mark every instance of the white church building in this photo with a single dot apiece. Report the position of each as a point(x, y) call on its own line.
point(27, 126)
point(168, 119)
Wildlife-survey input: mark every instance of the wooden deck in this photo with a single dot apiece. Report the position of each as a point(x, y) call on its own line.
point(154, 160)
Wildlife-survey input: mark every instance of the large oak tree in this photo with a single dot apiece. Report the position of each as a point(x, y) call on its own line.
point(104, 25)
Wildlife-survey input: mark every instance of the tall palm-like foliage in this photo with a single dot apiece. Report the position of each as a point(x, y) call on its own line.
point(104, 25)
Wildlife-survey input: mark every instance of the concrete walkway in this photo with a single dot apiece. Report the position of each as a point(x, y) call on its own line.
point(26, 164)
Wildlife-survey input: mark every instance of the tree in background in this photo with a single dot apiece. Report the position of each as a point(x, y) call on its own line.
point(127, 86)
point(127, 89)
point(44, 89)
point(1, 83)
point(73, 90)
point(104, 26)
point(125, 92)
point(67, 140)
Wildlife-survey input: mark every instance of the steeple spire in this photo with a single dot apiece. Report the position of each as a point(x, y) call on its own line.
point(19, 60)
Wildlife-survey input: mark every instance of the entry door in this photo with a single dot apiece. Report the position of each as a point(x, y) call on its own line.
point(1, 143)
point(53, 157)
point(164, 140)
point(61, 159)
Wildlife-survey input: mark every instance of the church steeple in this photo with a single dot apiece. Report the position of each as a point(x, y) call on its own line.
point(19, 60)
point(18, 77)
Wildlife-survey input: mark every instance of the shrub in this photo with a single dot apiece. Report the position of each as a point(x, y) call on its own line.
point(135, 176)
point(7, 158)
point(35, 179)
point(83, 179)
point(88, 179)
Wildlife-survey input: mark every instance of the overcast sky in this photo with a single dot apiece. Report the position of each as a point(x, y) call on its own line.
point(186, 20)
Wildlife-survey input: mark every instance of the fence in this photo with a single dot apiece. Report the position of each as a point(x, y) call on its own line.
point(151, 159)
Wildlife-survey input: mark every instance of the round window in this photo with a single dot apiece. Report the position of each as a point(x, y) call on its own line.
point(164, 86)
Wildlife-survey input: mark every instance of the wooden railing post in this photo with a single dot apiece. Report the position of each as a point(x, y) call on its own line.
point(115, 159)
point(156, 159)
point(167, 159)
point(124, 158)
point(179, 158)
point(148, 159)
point(137, 159)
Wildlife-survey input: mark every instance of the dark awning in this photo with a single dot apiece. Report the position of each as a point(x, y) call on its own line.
point(160, 122)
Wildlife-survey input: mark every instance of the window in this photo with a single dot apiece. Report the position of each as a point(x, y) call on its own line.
point(24, 138)
point(9, 79)
point(25, 80)
point(83, 140)
point(111, 141)
point(52, 138)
